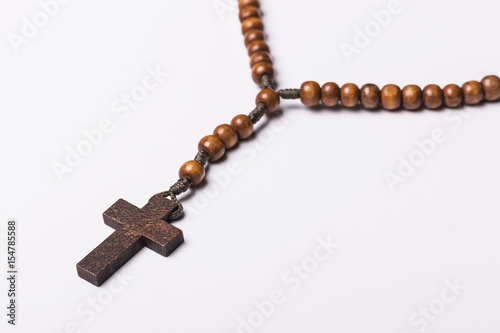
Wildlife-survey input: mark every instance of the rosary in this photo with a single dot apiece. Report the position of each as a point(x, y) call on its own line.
point(148, 226)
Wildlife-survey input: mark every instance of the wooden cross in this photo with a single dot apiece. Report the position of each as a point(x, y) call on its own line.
point(134, 228)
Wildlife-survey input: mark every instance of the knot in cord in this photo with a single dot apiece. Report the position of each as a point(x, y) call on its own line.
point(179, 187)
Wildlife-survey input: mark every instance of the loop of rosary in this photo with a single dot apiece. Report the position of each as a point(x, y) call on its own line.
point(390, 97)
point(138, 227)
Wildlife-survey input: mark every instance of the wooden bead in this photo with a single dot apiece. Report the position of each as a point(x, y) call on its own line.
point(310, 93)
point(330, 94)
point(244, 3)
point(453, 95)
point(260, 69)
point(412, 97)
point(260, 56)
point(370, 96)
point(433, 96)
point(257, 45)
point(473, 92)
point(390, 97)
point(491, 86)
point(227, 134)
point(270, 98)
point(192, 170)
point(248, 11)
point(252, 35)
point(243, 126)
point(251, 23)
point(213, 146)
point(349, 95)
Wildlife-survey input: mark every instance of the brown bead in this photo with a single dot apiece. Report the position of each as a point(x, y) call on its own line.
point(227, 134)
point(349, 95)
point(310, 93)
point(412, 97)
point(330, 94)
point(244, 3)
point(213, 146)
point(243, 126)
point(192, 170)
point(473, 92)
point(248, 11)
point(370, 96)
point(433, 96)
point(270, 98)
point(453, 95)
point(252, 35)
point(491, 86)
point(251, 23)
point(257, 45)
point(260, 69)
point(260, 56)
point(390, 97)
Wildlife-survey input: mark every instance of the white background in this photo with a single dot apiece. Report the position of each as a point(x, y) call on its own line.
point(305, 175)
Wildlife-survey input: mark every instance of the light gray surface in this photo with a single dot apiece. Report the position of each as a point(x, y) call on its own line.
point(317, 174)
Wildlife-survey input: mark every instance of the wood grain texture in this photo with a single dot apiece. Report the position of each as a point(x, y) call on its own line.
point(135, 228)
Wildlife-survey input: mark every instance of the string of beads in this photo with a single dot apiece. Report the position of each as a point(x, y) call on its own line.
point(369, 96)
point(392, 97)
point(213, 147)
